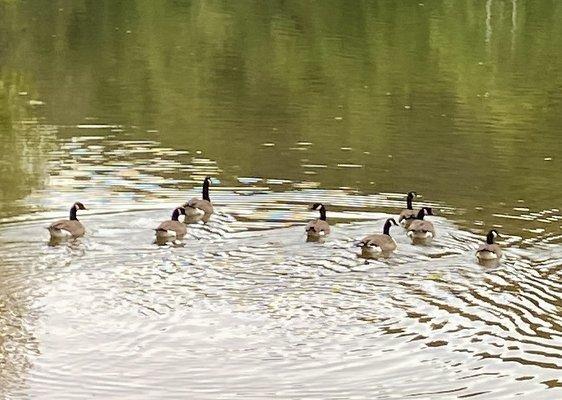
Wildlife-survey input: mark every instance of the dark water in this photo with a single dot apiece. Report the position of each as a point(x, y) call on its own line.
point(126, 105)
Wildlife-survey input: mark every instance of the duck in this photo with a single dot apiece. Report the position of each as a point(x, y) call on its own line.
point(173, 228)
point(408, 214)
point(490, 250)
point(318, 227)
point(68, 228)
point(421, 231)
point(379, 243)
point(195, 206)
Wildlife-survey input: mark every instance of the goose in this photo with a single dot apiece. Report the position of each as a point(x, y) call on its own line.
point(67, 228)
point(172, 228)
point(490, 250)
point(408, 214)
point(318, 227)
point(421, 231)
point(380, 243)
point(195, 205)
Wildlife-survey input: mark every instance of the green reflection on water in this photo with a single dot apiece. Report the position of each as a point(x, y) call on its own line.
point(460, 100)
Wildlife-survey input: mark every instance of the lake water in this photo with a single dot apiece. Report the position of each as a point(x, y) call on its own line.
point(126, 106)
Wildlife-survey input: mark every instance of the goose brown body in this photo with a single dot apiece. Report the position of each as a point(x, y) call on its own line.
point(408, 214)
point(318, 226)
point(196, 205)
point(199, 204)
point(406, 217)
point(172, 227)
point(489, 250)
point(421, 231)
point(66, 228)
point(379, 243)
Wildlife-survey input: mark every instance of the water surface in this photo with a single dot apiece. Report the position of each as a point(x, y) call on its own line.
point(126, 106)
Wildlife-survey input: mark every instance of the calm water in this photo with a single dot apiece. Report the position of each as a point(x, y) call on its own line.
point(127, 105)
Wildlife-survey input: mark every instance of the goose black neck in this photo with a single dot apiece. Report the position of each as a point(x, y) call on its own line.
point(73, 214)
point(421, 214)
point(386, 229)
point(409, 203)
point(323, 213)
point(490, 238)
point(206, 190)
point(175, 215)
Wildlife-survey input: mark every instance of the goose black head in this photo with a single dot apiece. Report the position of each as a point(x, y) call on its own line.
point(491, 236)
point(176, 213)
point(206, 184)
point(389, 222)
point(75, 207)
point(424, 211)
point(320, 207)
point(409, 199)
point(316, 206)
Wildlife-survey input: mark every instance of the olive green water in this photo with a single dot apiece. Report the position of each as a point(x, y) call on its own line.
point(126, 105)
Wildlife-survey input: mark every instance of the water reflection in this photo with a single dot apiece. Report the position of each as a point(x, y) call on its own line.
point(23, 144)
point(197, 76)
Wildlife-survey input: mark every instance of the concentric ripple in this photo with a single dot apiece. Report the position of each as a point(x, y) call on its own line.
point(243, 305)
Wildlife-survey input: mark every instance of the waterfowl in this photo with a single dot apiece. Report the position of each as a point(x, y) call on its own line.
point(195, 206)
point(172, 228)
point(408, 214)
point(490, 250)
point(66, 228)
point(379, 243)
point(318, 227)
point(421, 231)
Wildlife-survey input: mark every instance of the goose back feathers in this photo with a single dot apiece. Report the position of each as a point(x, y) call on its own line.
point(172, 228)
point(421, 230)
point(193, 206)
point(379, 243)
point(66, 228)
point(319, 226)
point(408, 214)
point(489, 250)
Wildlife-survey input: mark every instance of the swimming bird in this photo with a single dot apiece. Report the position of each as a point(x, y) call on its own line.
point(408, 214)
point(380, 243)
point(194, 206)
point(67, 228)
point(421, 231)
point(318, 227)
point(490, 250)
point(172, 229)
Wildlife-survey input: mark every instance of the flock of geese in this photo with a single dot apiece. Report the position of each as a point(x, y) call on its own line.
point(419, 230)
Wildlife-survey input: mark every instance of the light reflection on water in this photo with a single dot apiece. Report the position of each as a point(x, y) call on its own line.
point(244, 306)
point(126, 106)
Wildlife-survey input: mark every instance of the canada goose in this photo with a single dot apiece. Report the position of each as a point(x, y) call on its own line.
point(66, 228)
point(172, 228)
point(379, 243)
point(490, 250)
point(193, 206)
point(318, 227)
point(421, 231)
point(408, 214)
